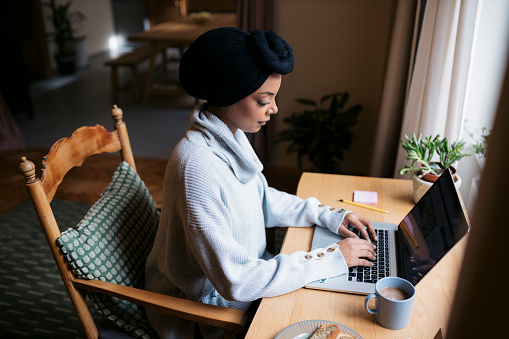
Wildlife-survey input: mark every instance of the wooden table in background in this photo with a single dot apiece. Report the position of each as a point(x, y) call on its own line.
point(435, 292)
point(176, 34)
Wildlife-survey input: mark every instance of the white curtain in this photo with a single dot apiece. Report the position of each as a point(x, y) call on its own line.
point(438, 77)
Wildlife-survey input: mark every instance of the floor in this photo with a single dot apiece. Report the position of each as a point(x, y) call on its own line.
point(33, 299)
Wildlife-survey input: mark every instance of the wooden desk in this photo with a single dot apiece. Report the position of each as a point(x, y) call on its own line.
point(435, 292)
point(176, 34)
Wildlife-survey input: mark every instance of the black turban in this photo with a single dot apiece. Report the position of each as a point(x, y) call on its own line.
point(225, 65)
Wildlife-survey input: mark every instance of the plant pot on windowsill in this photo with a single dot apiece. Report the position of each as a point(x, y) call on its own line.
point(421, 185)
point(433, 177)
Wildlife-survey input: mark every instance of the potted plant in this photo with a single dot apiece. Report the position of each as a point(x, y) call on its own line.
point(480, 149)
point(65, 23)
point(321, 133)
point(422, 151)
point(481, 146)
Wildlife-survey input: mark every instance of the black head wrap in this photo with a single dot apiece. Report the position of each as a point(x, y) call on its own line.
point(225, 65)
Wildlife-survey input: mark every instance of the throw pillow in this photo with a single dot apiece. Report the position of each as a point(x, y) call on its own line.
point(111, 243)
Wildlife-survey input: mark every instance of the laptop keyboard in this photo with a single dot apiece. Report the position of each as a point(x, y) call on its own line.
point(380, 266)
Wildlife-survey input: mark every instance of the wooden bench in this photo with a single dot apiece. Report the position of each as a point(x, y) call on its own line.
point(131, 59)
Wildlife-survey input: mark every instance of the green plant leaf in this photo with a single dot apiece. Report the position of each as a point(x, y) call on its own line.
point(421, 151)
point(64, 23)
point(333, 108)
point(328, 96)
point(343, 100)
point(322, 135)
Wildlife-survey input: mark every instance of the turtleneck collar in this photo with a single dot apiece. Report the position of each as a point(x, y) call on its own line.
point(235, 150)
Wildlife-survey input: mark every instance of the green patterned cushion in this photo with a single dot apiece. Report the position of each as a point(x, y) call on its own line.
point(111, 243)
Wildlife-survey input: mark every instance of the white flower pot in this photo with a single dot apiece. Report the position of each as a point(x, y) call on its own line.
point(421, 186)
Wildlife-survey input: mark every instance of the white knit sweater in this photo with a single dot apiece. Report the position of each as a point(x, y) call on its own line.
point(210, 245)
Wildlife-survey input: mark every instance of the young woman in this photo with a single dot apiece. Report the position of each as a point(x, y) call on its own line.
point(210, 245)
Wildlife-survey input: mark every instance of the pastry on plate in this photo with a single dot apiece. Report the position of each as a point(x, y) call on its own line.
point(331, 331)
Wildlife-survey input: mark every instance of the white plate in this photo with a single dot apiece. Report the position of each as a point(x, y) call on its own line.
point(304, 329)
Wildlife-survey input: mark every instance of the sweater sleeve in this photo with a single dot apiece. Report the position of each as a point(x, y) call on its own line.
point(233, 271)
point(240, 277)
point(282, 209)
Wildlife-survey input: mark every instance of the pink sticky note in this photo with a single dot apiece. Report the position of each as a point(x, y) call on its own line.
point(365, 197)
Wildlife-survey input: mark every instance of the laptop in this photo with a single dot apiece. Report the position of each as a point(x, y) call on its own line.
point(408, 250)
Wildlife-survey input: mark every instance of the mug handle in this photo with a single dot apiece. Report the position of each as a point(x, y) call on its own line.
point(366, 301)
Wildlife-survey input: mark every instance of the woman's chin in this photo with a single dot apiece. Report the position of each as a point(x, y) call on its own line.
point(253, 129)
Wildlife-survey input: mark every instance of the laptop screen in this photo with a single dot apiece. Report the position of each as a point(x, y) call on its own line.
point(435, 224)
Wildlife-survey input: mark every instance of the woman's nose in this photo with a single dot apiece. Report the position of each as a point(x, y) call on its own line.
point(273, 109)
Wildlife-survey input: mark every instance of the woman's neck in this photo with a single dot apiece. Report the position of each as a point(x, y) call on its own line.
point(220, 112)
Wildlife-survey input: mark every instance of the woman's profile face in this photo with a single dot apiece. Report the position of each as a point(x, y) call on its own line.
point(254, 111)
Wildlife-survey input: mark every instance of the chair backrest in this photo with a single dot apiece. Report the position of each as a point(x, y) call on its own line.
point(97, 248)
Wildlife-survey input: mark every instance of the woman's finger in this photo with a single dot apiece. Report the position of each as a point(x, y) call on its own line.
point(364, 262)
point(346, 232)
point(370, 227)
point(358, 225)
point(361, 224)
point(371, 254)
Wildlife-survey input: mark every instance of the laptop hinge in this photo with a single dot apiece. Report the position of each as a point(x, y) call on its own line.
point(399, 265)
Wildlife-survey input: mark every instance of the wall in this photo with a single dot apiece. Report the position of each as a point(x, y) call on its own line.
point(99, 26)
point(339, 45)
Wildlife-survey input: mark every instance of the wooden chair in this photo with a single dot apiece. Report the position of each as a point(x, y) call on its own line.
point(70, 152)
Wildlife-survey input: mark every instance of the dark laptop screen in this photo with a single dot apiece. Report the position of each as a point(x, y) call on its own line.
point(435, 224)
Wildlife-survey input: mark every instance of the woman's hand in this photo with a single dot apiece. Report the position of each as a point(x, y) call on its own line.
point(358, 222)
point(355, 250)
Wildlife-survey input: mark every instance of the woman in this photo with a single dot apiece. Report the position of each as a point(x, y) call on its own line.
point(210, 245)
